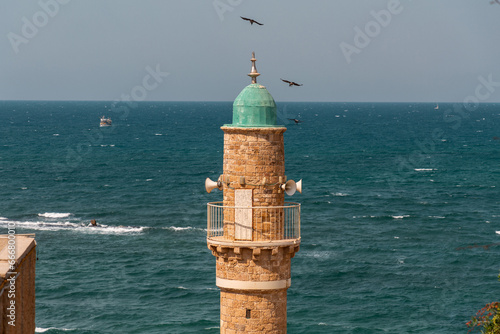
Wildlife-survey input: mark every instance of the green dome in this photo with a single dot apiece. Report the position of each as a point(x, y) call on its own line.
point(254, 107)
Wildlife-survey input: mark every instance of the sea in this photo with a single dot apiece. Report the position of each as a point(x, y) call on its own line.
point(400, 218)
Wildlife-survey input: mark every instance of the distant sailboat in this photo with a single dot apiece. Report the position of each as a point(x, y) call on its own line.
point(436, 107)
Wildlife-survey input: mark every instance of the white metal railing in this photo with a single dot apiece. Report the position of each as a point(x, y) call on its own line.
point(258, 223)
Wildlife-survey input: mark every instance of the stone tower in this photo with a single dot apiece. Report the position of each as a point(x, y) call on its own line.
point(253, 233)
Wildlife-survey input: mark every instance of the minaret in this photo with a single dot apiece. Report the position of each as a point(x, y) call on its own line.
point(253, 233)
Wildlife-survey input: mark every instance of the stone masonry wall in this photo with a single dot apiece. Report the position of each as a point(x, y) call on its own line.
point(250, 311)
point(253, 312)
point(258, 155)
point(248, 266)
point(24, 297)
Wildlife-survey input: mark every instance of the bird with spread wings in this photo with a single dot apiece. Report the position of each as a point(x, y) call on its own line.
point(251, 21)
point(291, 83)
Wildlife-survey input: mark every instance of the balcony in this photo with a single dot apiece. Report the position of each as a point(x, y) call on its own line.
point(253, 226)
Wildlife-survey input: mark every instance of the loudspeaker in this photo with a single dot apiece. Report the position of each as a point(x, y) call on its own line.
point(211, 185)
point(289, 187)
point(299, 186)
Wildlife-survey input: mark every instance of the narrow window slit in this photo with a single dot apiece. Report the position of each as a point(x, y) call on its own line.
point(249, 313)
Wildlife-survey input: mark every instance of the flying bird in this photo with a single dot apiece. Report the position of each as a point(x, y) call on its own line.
point(251, 21)
point(290, 83)
point(495, 1)
point(295, 120)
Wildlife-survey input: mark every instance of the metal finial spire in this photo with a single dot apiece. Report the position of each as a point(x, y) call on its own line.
point(253, 73)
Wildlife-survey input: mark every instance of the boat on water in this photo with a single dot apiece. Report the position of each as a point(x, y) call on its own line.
point(105, 121)
point(436, 107)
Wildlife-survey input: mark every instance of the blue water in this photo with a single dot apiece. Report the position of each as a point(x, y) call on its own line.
point(398, 202)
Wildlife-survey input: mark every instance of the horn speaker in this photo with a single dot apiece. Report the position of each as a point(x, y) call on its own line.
point(299, 186)
point(211, 185)
point(290, 187)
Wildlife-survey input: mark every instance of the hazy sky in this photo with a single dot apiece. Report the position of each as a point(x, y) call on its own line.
point(341, 50)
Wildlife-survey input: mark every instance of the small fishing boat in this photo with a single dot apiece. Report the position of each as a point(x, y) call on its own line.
point(105, 121)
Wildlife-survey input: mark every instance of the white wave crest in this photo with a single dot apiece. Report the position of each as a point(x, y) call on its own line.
point(105, 229)
point(174, 228)
point(3, 218)
point(43, 330)
point(340, 194)
point(497, 232)
point(180, 229)
point(54, 215)
point(400, 217)
point(76, 227)
point(320, 254)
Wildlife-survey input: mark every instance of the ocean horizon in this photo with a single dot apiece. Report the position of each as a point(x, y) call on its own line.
point(400, 224)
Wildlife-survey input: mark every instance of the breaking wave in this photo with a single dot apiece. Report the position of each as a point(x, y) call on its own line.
point(54, 215)
point(75, 227)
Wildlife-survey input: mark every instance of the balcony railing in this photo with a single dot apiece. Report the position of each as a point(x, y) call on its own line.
point(261, 223)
